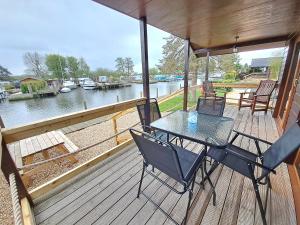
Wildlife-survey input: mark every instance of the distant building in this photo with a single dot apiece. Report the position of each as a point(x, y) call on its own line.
point(103, 79)
point(262, 64)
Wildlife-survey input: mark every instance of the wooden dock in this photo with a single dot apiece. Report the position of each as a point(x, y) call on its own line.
point(106, 86)
point(107, 193)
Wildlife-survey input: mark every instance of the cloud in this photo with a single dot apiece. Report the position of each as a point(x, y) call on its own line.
point(79, 28)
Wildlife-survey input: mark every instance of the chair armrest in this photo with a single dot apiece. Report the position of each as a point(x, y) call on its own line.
point(249, 160)
point(252, 137)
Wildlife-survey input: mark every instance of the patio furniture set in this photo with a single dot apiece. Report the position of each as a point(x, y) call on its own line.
point(207, 126)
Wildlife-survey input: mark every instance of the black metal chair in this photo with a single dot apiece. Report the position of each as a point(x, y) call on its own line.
point(245, 162)
point(212, 106)
point(154, 115)
point(176, 162)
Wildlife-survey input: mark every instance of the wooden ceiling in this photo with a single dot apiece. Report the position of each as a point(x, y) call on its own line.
point(213, 24)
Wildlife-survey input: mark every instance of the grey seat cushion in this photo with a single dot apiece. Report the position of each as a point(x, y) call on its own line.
point(233, 161)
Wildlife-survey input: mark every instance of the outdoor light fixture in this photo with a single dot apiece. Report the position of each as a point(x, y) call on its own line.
point(235, 49)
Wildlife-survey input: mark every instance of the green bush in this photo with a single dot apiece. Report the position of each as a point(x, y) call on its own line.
point(24, 88)
point(35, 86)
point(8, 87)
point(230, 75)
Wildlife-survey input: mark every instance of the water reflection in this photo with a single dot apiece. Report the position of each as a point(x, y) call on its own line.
point(20, 112)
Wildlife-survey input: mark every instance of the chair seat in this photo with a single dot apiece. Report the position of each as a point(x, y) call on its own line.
point(186, 160)
point(232, 161)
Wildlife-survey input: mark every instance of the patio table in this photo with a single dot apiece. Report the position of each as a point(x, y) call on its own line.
point(205, 129)
point(201, 128)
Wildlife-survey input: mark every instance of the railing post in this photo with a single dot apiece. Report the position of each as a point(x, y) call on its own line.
point(145, 67)
point(186, 72)
point(8, 167)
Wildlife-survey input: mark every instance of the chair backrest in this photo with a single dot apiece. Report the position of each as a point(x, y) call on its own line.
point(211, 106)
point(154, 111)
point(207, 87)
point(265, 87)
point(286, 145)
point(162, 156)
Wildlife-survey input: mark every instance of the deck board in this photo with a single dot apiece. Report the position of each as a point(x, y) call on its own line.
point(108, 194)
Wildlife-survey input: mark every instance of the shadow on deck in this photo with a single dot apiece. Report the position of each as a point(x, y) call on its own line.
point(106, 194)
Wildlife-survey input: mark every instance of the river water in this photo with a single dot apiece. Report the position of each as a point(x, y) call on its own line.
point(26, 111)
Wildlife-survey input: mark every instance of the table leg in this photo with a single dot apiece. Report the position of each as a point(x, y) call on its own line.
point(211, 170)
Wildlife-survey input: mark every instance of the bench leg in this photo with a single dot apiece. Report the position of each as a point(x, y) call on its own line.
point(64, 150)
point(25, 177)
point(45, 154)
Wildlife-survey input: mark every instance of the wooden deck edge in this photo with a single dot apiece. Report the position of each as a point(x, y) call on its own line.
point(50, 185)
point(27, 212)
point(295, 183)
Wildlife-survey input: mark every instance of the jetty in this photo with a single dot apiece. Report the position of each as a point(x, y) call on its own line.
point(106, 86)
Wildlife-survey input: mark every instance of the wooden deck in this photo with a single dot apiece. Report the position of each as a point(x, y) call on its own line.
point(107, 195)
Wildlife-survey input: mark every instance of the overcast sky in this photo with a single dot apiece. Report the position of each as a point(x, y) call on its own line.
point(80, 28)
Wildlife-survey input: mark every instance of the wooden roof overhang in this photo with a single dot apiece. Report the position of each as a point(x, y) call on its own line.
point(211, 25)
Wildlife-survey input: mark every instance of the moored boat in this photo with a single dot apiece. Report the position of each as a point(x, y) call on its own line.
point(89, 85)
point(69, 84)
point(65, 90)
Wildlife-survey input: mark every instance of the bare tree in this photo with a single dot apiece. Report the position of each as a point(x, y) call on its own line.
point(35, 63)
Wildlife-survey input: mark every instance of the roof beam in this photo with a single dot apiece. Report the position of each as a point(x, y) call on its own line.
point(274, 42)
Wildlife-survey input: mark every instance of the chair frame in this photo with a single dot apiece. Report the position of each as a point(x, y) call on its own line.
point(263, 179)
point(214, 99)
point(149, 129)
point(187, 186)
point(255, 100)
point(209, 93)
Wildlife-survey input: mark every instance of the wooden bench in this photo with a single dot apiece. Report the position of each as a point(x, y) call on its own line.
point(23, 151)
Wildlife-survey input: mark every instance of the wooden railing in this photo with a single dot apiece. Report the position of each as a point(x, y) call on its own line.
point(36, 128)
point(29, 130)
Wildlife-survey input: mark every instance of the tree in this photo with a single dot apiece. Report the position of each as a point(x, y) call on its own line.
point(35, 64)
point(153, 71)
point(128, 64)
point(84, 69)
point(173, 56)
point(275, 67)
point(4, 73)
point(229, 64)
point(56, 65)
point(120, 66)
point(72, 66)
point(113, 75)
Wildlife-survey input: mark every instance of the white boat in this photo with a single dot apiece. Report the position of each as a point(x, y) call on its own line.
point(69, 84)
point(89, 85)
point(65, 90)
point(82, 80)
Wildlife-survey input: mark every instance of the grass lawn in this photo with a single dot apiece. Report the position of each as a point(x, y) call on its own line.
point(176, 103)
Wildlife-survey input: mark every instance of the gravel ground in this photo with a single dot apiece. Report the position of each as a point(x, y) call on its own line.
point(82, 138)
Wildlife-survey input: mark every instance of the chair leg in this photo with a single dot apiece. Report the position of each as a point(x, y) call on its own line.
point(257, 194)
point(141, 181)
point(259, 201)
point(189, 201)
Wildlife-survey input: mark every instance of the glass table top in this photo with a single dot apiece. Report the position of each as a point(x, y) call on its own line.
point(201, 128)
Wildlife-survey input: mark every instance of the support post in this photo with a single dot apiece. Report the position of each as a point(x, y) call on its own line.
point(207, 66)
point(145, 67)
point(186, 73)
point(284, 80)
